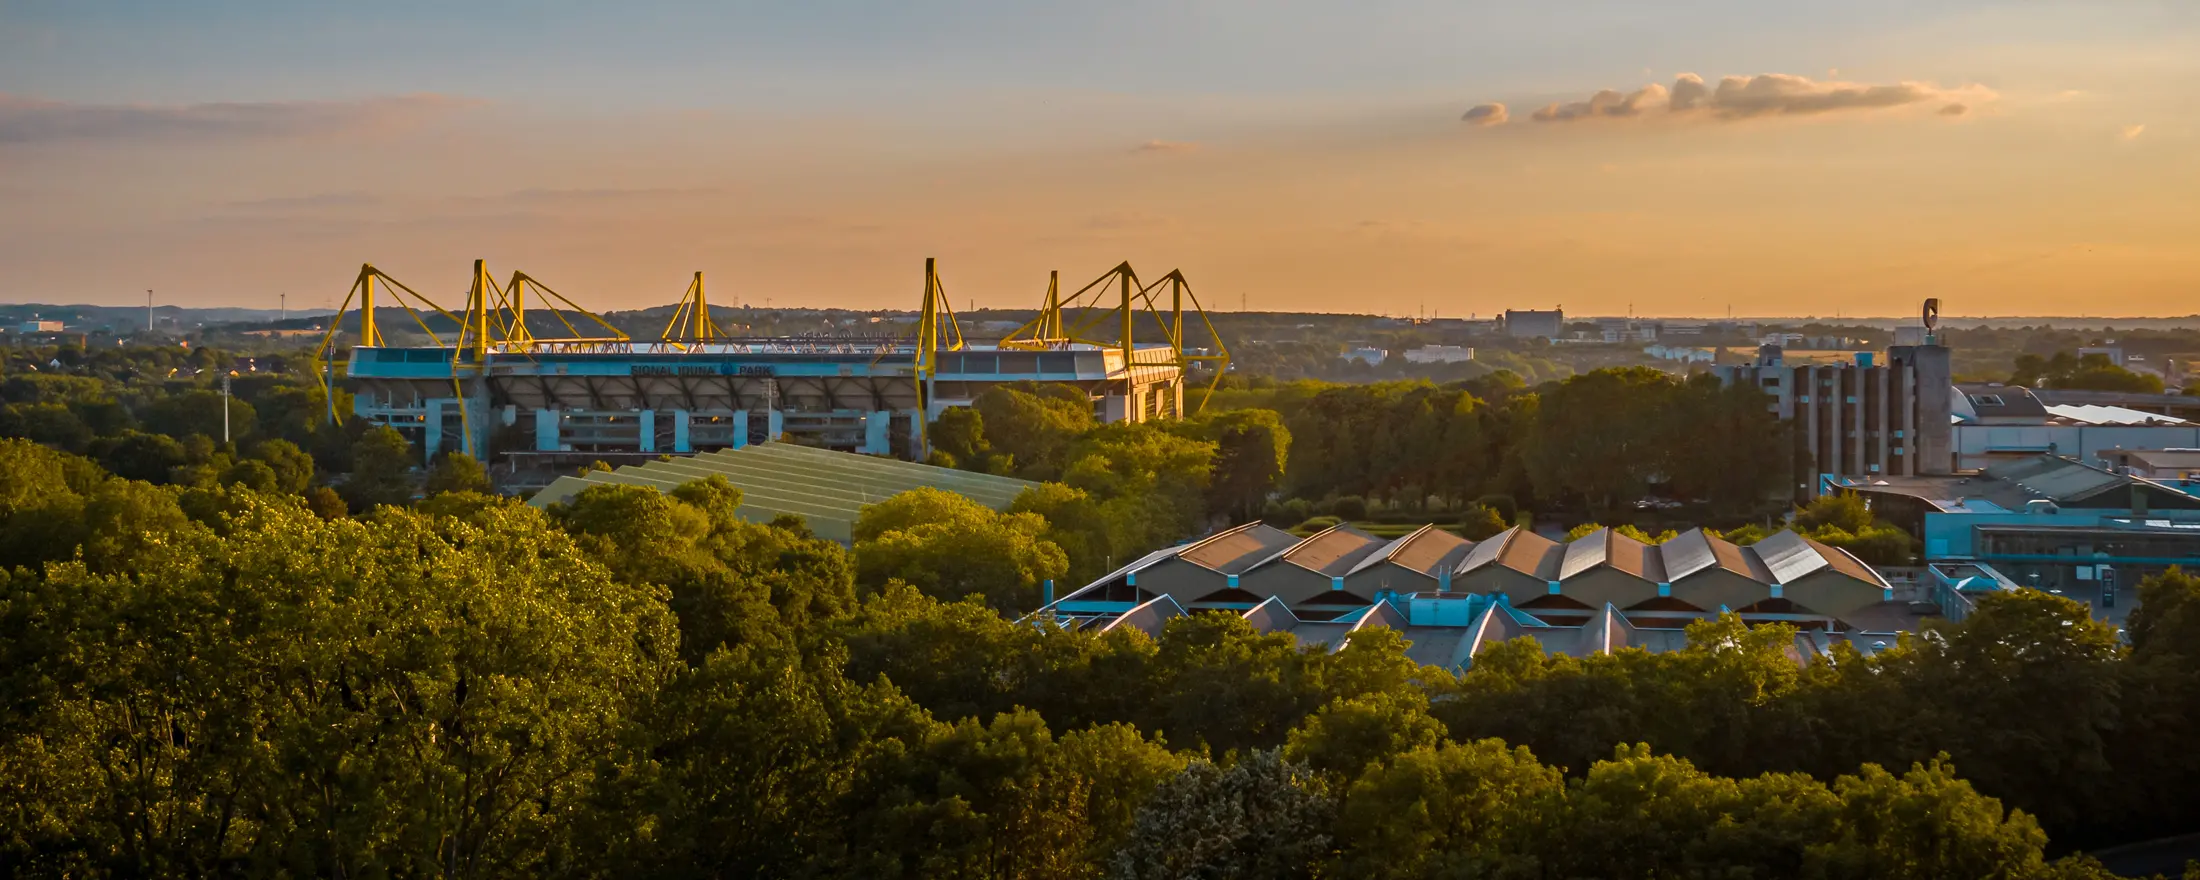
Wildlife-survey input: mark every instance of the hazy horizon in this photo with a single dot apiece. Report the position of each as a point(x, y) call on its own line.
point(1387, 157)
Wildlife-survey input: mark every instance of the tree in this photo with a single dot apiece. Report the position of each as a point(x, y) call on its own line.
point(396, 696)
point(292, 467)
point(457, 472)
point(1033, 424)
point(1601, 437)
point(382, 462)
point(136, 456)
point(1252, 448)
point(730, 582)
point(1076, 523)
point(1449, 809)
point(1003, 558)
point(199, 412)
point(959, 434)
point(1479, 522)
point(1262, 817)
point(53, 424)
point(1353, 732)
point(760, 750)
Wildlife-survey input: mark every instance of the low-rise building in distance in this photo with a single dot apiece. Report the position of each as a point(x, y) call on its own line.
point(1439, 354)
point(1532, 324)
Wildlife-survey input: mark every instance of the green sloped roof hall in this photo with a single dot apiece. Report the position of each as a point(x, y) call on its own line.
point(826, 488)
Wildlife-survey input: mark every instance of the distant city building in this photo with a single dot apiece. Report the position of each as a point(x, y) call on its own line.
point(1683, 353)
point(1470, 326)
point(1622, 330)
point(2114, 353)
point(1369, 356)
point(2181, 465)
point(1439, 354)
point(1862, 418)
point(41, 327)
point(1535, 324)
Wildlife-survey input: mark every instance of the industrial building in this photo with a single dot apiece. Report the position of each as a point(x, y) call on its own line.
point(495, 386)
point(1531, 324)
point(1599, 592)
point(2047, 521)
point(1452, 600)
point(1861, 418)
point(1995, 423)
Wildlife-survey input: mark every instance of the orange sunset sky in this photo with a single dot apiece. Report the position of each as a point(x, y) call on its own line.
point(1680, 158)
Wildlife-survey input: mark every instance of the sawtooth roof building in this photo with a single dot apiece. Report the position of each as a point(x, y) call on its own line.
point(1453, 598)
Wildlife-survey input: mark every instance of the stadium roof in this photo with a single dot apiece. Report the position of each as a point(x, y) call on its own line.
point(827, 489)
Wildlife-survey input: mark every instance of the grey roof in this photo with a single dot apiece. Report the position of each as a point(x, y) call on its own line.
point(1234, 550)
point(1485, 551)
point(1272, 615)
point(1149, 617)
point(1998, 401)
point(1788, 556)
point(1791, 557)
point(1584, 553)
point(1333, 551)
point(1696, 551)
point(2052, 477)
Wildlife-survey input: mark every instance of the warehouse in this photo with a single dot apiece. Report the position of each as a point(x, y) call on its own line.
point(1335, 574)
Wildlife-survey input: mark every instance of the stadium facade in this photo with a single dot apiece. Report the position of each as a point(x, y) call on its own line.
point(494, 386)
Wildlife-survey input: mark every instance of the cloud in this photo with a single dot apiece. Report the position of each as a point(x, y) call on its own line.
point(1158, 146)
point(31, 120)
point(1486, 114)
point(1608, 103)
point(1767, 94)
point(2132, 132)
point(317, 200)
point(602, 194)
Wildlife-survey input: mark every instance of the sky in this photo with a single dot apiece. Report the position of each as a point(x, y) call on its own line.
point(1446, 157)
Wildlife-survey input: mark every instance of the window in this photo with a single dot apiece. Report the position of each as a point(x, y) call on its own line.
point(1986, 400)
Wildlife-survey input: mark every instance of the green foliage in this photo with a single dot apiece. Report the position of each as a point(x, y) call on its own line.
point(950, 547)
point(401, 695)
point(1479, 522)
point(730, 582)
point(1262, 817)
point(2093, 372)
point(1349, 508)
point(1252, 449)
point(1604, 436)
point(457, 472)
point(382, 463)
point(1448, 809)
point(1353, 732)
point(219, 680)
point(1629, 529)
point(959, 434)
point(1077, 523)
point(1033, 425)
point(1843, 520)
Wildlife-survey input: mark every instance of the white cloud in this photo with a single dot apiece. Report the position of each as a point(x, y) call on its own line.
point(30, 120)
point(1486, 114)
point(1768, 94)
